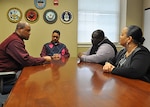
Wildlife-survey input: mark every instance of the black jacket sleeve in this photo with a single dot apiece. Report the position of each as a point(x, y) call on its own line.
point(138, 66)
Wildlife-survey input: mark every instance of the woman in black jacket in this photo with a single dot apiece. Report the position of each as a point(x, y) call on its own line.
point(134, 60)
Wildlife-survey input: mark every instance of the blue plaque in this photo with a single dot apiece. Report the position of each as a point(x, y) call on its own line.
point(40, 4)
point(66, 17)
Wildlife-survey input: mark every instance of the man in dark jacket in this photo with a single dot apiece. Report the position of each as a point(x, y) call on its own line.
point(55, 48)
point(101, 50)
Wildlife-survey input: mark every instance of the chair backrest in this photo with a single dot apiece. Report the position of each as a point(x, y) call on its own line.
point(7, 80)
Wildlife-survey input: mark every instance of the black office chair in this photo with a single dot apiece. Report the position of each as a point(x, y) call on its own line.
point(7, 81)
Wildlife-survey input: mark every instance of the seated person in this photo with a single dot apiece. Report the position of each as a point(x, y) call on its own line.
point(55, 49)
point(101, 50)
point(134, 60)
point(14, 56)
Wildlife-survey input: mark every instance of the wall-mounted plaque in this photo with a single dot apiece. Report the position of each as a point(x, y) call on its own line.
point(40, 4)
point(14, 15)
point(50, 16)
point(66, 17)
point(31, 15)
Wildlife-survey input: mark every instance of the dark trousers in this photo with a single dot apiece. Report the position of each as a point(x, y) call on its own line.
point(8, 84)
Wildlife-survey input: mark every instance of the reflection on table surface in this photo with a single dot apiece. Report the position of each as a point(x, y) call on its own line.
point(70, 84)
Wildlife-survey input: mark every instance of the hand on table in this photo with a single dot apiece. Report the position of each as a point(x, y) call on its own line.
point(108, 67)
point(56, 57)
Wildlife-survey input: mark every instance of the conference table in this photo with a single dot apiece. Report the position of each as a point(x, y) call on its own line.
point(70, 83)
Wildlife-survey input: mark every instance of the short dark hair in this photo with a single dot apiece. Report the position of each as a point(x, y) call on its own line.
point(56, 31)
point(99, 34)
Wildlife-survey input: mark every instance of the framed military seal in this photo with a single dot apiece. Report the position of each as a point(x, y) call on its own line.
point(66, 16)
point(50, 16)
point(40, 4)
point(31, 15)
point(14, 15)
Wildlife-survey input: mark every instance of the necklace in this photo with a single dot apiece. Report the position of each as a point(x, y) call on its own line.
point(128, 53)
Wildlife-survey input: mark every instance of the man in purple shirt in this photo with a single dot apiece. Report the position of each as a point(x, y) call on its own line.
point(13, 55)
point(54, 48)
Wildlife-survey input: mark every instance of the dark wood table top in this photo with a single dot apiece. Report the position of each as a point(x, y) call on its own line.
point(68, 84)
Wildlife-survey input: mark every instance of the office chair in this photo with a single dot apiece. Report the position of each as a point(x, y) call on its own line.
point(7, 80)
